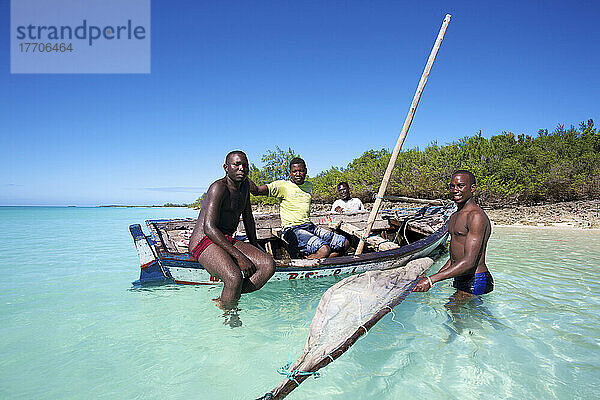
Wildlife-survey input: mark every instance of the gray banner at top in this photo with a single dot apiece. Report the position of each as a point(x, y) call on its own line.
point(86, 37)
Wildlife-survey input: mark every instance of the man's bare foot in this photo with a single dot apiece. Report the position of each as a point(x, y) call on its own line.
point(225, 306)
point(218, 303)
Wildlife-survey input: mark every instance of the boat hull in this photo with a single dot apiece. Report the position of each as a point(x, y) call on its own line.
point(199, 275)
point(161, 268)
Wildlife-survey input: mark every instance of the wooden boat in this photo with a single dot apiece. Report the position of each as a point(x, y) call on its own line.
point(399, 236)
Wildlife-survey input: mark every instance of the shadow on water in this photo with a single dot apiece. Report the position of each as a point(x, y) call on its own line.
point(156, 287)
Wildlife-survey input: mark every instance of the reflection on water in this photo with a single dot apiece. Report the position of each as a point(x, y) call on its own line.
point(71, 327)
point(231, 318)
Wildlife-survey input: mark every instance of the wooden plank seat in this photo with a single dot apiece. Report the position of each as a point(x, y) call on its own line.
point(174, 234)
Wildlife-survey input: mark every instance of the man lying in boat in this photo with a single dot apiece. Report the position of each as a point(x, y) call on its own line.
point(303, 237)
point(241, 266)
point(345, 203)
point(470, 230)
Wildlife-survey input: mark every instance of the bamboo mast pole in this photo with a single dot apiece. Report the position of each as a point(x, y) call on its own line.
point(407, 122)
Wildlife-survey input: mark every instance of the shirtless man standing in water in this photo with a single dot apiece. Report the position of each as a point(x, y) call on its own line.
point(241, 266)
point(470, 230)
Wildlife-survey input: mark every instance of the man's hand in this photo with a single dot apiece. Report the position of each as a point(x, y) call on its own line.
point(339, 209)
point(423, 285)
point(246, 266)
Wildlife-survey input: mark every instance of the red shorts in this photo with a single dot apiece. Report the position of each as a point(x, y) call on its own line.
point(205, 242)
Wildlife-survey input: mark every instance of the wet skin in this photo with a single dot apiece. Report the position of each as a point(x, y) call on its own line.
point(242, 267)
point(470, 229)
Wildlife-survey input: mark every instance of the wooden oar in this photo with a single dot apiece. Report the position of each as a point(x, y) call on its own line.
point(407, 122)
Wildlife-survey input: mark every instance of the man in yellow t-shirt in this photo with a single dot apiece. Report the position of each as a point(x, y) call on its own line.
point(303, 237)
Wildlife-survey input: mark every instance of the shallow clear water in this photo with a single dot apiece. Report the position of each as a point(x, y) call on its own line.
point(72, 327)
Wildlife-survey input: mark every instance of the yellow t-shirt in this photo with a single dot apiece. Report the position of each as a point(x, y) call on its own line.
point(294, 203)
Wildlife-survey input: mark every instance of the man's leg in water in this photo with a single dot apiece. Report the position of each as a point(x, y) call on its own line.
point(220, 264)
point(264, 263)
point(456, 301)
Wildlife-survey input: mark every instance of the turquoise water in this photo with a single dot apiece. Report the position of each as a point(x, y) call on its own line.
point(72, 327)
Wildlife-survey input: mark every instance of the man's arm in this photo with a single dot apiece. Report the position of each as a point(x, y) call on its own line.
point(249, 224)
point(262, 190)
point(336, 207)
point(477, 225)
point(213, 200)
point(425, 284)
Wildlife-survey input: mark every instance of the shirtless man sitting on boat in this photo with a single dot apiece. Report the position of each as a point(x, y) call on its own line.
point(303, 237)
point(241, 266)
point(470, 230)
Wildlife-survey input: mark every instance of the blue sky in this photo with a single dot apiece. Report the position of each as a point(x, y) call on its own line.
point(329, 79)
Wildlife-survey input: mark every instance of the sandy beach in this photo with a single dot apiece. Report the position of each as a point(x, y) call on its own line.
point(583, 214)
point(571, 214)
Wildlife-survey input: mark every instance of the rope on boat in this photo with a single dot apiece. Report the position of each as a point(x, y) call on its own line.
point(404, 231)
point(429, 209)
point(394, 317)
point(291, 375)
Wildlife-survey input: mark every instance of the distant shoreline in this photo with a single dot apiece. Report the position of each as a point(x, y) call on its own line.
point(93, 206)
point(124, 206)
point(581, 214)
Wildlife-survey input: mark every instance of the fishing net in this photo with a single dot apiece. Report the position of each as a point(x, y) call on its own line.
point(347, 311)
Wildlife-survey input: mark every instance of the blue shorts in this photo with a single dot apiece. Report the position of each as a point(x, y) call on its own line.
point(308, 239)
point(476, 284)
